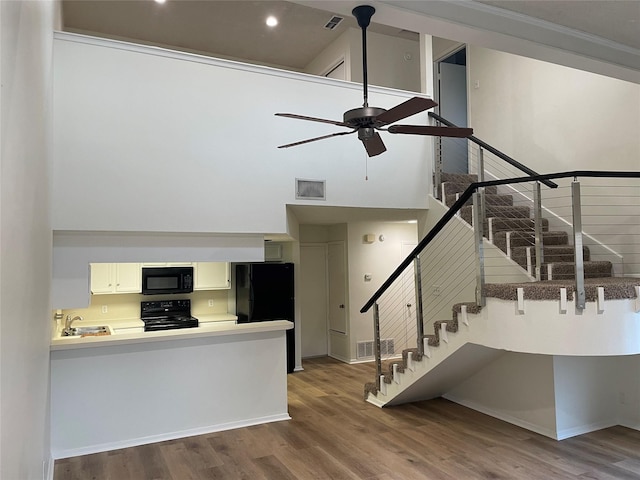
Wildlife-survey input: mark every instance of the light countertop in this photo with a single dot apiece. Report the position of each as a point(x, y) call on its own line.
point(210, 325)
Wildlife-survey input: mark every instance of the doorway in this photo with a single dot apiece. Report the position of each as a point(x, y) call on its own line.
point(313, 300)
point(451, 95)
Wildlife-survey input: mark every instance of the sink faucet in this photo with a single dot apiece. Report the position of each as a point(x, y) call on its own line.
point(68, 321)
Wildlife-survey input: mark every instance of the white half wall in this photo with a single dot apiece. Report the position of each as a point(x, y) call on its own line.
point(105, 398)
point(151, 140)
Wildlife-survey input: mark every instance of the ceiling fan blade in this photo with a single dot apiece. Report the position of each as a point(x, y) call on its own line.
point(315, 139)
point(374, 145)
point(406, 109)
point(458, 132)
point(312, 119)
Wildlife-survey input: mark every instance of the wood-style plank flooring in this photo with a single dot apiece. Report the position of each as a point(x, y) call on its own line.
point(334, 434)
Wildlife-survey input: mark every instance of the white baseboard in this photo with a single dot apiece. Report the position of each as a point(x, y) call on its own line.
point(135, 442)
point(592, 427)
point(632, 424)
point(49, 468)
point(503, 416)
point(338, 357)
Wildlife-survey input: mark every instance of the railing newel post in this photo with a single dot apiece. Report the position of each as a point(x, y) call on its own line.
point(576, 208)
point(478, 231)
point(481, 164)
point(417, 271)
point(376, 343)
point(537, 209)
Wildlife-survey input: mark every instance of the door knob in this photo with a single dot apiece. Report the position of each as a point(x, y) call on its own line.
point(341, 305)
point(408, 305)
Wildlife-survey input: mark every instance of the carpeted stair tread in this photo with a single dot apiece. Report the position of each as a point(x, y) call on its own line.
point(527, 238)
point(518, 211)
point(614, 288)
point(458, 177)
point(503, 200)
point(370, 388)
point(432, 340)
point(417, 356)
point(566, 270)
point(514, 225)
point(450, 326)
point(551, 254)
point(451, 188)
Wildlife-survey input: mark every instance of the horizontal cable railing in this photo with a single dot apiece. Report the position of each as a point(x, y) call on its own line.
point(489, 148)
point(509, 231)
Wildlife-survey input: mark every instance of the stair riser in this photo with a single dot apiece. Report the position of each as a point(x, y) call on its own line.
point(453, 188)
point(527, 239)
point(500, 200)
point(518, 212)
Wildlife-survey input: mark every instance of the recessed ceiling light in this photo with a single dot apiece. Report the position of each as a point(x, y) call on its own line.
point(160, 1)
point(272, 21)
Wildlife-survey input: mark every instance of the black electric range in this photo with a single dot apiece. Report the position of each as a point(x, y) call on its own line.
point(167, 315)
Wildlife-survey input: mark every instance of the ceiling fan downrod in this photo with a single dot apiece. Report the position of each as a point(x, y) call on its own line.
point(363, 14)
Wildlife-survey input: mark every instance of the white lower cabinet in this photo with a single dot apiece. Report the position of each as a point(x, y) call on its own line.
point(212, 275)
point(109, 278)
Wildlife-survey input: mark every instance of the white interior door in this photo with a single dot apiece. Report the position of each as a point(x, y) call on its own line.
point(313, 300)
point(337, 288)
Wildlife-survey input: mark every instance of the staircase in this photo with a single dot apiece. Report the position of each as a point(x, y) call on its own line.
point(511, 229)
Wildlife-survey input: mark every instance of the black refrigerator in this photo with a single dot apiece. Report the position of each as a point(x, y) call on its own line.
point(264, 292)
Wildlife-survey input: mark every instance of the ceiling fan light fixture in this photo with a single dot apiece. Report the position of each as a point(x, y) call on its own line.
point(368, 120)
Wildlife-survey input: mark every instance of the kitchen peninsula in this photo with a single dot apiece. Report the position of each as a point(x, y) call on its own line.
point(132, 387)
point(121, 390)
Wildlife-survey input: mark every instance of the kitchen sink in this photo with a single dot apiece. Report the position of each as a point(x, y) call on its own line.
point(80, 331)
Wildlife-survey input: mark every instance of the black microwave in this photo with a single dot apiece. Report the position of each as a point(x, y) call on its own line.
point(167, 280)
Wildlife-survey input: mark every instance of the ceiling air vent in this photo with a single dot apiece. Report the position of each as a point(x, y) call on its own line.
point(310, 189)
point(333, 23)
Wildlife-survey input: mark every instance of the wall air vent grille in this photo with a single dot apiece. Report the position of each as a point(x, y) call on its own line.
point(310, 189)
point(333, 23)
point(366, 350)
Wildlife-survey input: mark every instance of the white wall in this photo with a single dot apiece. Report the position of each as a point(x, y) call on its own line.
point(586, 390)
point(391, 62)
point(25, 238)
point(74, 251)
point(553, 118)
point(629, 391)
point(379, 259)
point(129, 122)
point(336, 51)
point(556, 119)
point(517, 388)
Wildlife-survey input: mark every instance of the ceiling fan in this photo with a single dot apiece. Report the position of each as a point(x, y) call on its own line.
point(366, 120)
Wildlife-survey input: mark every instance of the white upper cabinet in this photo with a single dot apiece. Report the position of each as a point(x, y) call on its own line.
point(212, 276)
point(109, 278)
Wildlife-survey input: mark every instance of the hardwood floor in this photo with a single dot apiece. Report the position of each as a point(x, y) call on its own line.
point(334, 434)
